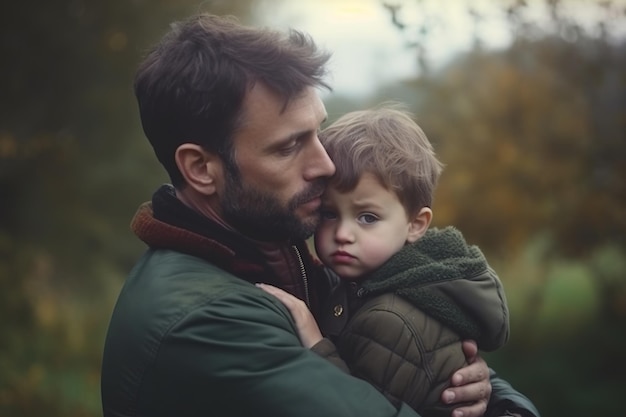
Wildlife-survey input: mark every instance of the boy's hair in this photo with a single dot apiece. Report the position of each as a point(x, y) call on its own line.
point(386, 142)
point(191, 86)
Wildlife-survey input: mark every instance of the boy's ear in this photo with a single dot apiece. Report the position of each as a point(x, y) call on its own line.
point(419, 224)
point(202, 170)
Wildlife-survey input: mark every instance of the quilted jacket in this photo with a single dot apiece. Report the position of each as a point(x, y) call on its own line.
point(401, 328)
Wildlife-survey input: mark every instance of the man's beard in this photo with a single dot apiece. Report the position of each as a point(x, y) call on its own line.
point(262, 216)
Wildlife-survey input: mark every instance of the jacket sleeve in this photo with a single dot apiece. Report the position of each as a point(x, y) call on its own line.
point(239, 355)
point(404, 353)
point(327, 350)
point(506, 399)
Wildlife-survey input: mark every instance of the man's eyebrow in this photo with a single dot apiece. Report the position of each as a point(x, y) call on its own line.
point(295, 135)
point(299, 134)
point(284, 141)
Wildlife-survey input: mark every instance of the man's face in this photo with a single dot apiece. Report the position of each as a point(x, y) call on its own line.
point(281, 170)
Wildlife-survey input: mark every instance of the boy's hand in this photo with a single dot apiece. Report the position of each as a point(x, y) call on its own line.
point(308, 331)
point(469, 384)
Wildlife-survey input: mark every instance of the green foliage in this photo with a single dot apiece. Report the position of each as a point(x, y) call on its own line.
point(565, 349)
point(533, 137)
point(73, 168)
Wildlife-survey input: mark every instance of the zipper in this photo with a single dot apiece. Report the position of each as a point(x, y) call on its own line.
point(304, 277)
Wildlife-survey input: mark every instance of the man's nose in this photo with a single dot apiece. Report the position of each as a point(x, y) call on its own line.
point(319, 164)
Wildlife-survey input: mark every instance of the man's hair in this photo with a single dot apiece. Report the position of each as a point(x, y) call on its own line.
point(191, 85)
point(386, 142)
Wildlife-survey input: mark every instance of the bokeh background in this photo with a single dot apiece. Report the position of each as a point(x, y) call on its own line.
point(525, 102)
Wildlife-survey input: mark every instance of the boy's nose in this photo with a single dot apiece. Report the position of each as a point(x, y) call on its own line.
point(343, 233)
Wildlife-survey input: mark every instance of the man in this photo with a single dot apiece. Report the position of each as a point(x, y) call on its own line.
point(232, 114)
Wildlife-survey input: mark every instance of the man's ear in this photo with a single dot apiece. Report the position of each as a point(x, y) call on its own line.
point(201, 169)
point(419, 224)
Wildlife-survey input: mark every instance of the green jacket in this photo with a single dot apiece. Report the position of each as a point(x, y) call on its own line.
point(188, 338)
point(401, 328)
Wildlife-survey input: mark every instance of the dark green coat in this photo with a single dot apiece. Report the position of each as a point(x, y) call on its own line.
point(189, 339)
point(191, 335)
point(401, 328)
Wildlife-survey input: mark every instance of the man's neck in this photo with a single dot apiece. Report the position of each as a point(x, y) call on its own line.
point(205, 205)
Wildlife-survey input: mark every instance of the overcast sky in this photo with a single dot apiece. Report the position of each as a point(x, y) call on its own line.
point(368, 50)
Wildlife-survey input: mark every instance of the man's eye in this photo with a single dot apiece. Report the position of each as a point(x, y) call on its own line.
point(367, 218)
point(292, 147)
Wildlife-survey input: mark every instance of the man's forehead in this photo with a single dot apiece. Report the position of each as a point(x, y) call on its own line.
point(262, 104)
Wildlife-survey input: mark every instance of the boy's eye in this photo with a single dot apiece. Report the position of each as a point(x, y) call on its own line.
point(328, 215)
point(367, 218)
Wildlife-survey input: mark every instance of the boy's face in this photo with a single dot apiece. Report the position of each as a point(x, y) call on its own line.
point(361, 229)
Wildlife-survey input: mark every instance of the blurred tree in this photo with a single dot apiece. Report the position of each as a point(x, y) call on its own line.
point(73, 168)
point(533, 135)
point(533, 140)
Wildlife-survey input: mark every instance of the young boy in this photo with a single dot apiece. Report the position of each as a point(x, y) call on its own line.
point(408, 295)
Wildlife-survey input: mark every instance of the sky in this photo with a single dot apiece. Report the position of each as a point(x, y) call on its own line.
point(368, 50)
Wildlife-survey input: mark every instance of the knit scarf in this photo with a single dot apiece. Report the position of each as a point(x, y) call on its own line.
point(412, 273)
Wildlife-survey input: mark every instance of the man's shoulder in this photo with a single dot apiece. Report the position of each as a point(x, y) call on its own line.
point(166, 286)
point(169, 290)
point(165, 268)
point(173, 311)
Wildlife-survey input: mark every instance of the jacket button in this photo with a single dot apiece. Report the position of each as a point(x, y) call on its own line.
point(360, 292)
point(338, 310)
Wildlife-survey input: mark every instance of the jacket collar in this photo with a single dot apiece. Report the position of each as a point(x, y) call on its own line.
point(167, 223)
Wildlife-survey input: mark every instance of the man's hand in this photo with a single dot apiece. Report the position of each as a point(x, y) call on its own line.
point(308, 331)
point(469, 384)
